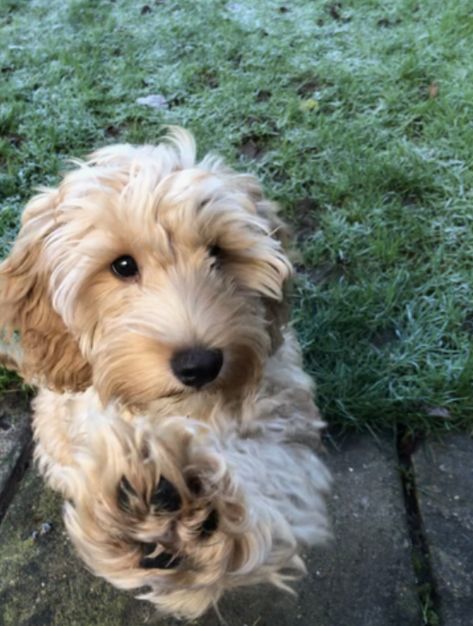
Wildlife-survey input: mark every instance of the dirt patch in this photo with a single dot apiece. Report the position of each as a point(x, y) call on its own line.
point(334, 9)
point(306, 84)
point(263, 95)
point(468, 323)
point(252, 147)
point(254, 143)
point(205, 77)
point(384, 336)
point(113, 131)
point(386, 22)
point(15, 140)
point(305, 218)
point(307, 88)
point(325, 273)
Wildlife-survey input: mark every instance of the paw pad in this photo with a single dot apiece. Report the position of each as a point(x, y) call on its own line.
point(166, 497)
point(125, 494)
point(164, 560)
point(210, 525)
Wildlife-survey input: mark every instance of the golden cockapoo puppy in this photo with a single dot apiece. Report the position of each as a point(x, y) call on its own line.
point(146, 298)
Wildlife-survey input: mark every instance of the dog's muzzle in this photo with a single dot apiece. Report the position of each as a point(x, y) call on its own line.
point(196, 367)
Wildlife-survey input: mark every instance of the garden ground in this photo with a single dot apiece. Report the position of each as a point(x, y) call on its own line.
point(357, 116)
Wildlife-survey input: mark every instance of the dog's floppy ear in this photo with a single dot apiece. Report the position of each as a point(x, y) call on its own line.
point(50, 355)
point(277, 311)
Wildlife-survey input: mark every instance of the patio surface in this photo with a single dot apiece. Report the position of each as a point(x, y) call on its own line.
point(402, 552)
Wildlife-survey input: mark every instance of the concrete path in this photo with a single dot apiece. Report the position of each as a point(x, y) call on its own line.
point(444, 475)
point(15, 438)
point(402, 552)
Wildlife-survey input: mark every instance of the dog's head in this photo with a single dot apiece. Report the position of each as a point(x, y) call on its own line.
point(146, 275)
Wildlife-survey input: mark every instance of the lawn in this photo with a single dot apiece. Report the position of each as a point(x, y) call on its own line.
point(356, 115)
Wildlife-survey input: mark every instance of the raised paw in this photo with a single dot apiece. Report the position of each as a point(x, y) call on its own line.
point(163, 514)
point(166, 522)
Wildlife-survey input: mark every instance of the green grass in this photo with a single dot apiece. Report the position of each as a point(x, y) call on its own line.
point(357, 117)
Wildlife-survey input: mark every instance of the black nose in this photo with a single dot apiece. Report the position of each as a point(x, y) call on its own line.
point(196, 367)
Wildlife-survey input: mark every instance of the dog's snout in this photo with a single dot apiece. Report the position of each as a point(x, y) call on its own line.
point(195, 367)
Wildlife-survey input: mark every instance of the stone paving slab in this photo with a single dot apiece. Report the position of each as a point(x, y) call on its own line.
point(15, 437)
point(444, 479)
point(364, 578)
point(42, 582)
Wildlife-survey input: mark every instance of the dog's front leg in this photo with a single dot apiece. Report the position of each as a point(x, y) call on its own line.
point(283, 486)
point(187, 514)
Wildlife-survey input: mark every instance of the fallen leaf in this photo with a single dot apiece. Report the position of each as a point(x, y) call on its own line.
point(309, 105)
point(438, 411)
point(155, 101)
point(433, 90)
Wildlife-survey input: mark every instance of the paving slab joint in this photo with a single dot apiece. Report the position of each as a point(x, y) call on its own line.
point(6, 495)
point(429, 598)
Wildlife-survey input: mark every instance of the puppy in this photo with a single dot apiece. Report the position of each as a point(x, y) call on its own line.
point(145, 298)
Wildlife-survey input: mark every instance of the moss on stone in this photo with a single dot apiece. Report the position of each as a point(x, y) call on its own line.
point(41, 579)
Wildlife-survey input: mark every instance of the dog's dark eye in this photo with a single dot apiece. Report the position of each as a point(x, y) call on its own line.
point(215, 254)
point(125, 267)
point(215, 251)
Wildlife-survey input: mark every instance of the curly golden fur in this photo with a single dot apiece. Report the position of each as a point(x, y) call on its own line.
point(173, 414)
